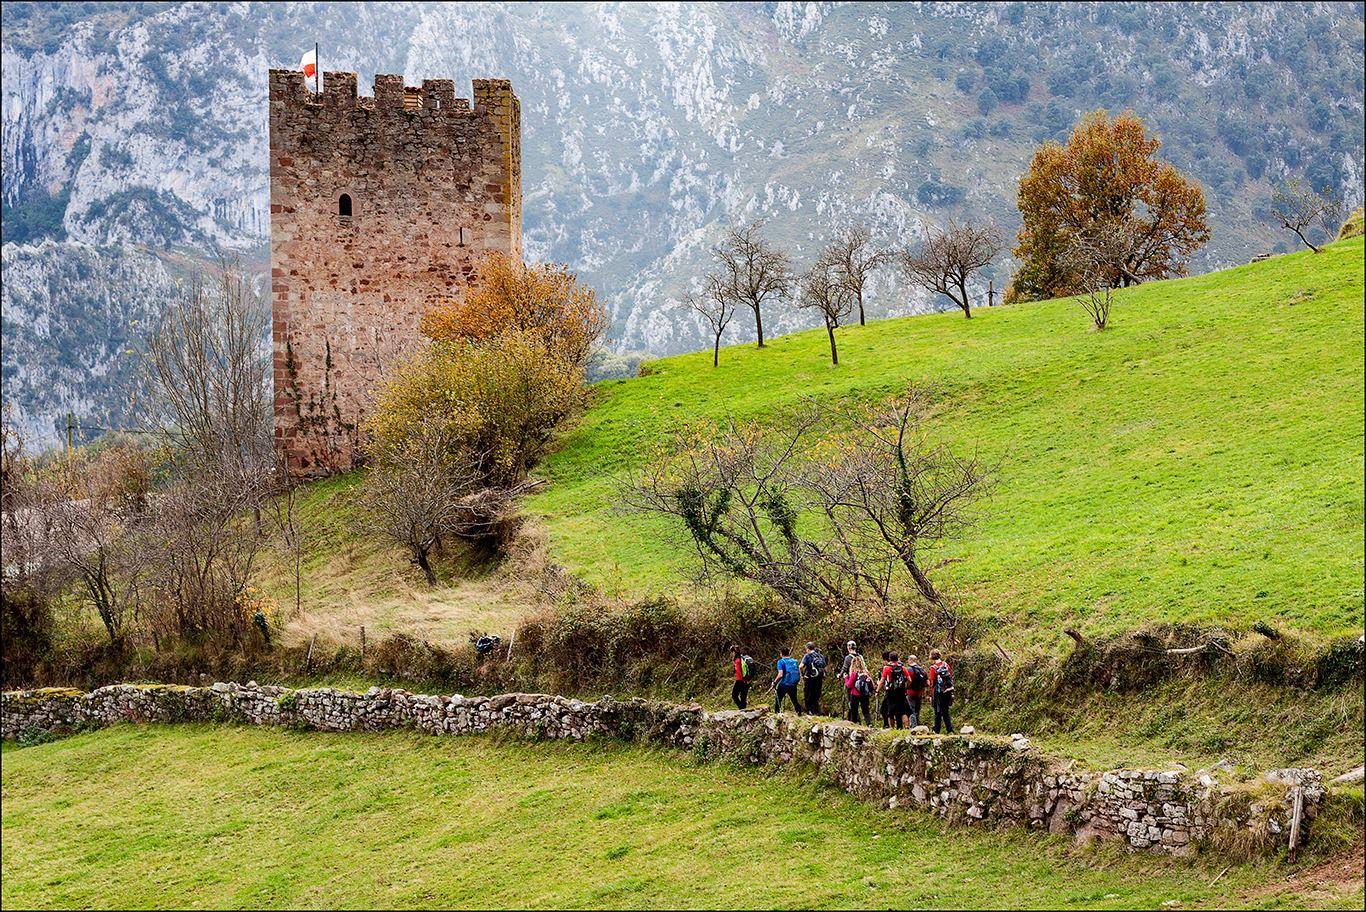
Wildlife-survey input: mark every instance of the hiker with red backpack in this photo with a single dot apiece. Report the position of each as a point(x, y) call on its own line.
point(894, 683)
point(941, 691)
point(915, 691)
point(744, 676)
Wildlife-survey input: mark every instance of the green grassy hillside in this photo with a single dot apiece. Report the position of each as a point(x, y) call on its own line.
point(1200, 460)
point(249, 818)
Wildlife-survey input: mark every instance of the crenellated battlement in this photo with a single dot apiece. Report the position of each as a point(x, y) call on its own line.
point(380, 206)
point(390, 95)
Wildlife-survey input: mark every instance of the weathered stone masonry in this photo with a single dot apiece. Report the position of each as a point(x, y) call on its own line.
point(378, 208)
point(971, 779)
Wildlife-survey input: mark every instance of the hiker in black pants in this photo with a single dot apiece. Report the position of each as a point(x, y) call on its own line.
point(941, 691)
point(858, 686)
point(785, 681)
point(915, 691)
point(850, 651)
point(739, 691)
point(813, 677)
point(882, 700)
point(893, 683)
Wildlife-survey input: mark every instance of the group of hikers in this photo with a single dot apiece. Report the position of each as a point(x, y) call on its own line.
point(901, 687)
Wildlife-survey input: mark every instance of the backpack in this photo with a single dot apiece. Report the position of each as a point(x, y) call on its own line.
point(896, 683)
point(918, 678)
point(862, 685)
point(815, 664)
point(747, 668)
point(943, 679)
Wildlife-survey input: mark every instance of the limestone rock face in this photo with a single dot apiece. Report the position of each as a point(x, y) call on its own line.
point(965, 779)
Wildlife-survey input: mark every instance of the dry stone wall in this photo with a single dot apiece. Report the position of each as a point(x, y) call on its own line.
point(967, 778)
point(379, 207)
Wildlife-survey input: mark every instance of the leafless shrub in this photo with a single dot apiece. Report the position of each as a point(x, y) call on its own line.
point(891, 491)
point(29, 578)
point(1098, 258)
point(946, 260)
point(430, 489)
point(97, 510)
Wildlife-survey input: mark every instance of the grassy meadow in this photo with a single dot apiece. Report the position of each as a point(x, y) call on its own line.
point(1198, 461)
point(197, 817)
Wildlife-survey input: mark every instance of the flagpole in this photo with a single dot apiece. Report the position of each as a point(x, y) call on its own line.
point(317, 71)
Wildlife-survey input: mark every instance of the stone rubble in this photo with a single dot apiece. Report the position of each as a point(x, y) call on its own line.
point(966, 778)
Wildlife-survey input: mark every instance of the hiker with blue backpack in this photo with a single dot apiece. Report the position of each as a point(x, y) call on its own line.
point(744, 676)
point(785, 681)
point(941, 691)
point(813, 678)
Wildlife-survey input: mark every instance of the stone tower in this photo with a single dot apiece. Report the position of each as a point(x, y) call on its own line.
point(379, 207)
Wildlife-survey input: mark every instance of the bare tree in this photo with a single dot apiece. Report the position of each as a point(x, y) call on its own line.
point(753, 271)
point(30, 579)
point(1297, 207)
point(412, 495)
point(888, 486)
point(820, 522)
point(853, 255)
point(823, 289)
point(429, 488)
point(208, 374)
point(1097, 259)
point(285, 514)
point(716, 306)
point(733, 489)
point(97, 509)
point(946, 260)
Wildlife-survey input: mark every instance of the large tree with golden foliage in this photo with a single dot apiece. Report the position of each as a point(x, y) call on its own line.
point(543, 299)
point(1106, 178)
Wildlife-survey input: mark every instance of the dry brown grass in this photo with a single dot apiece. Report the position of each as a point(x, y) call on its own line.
point(351, 581)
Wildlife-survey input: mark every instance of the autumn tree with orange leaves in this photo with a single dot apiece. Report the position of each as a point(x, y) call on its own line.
point(1105, 178)
point(543, 299)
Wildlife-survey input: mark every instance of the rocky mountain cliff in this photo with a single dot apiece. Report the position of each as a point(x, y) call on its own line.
point(134, 137)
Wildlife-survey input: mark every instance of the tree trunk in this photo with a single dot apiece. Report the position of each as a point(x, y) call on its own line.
point(759, 324)
point(420, 556)
point(716, 352)
point(922, 582)
point(834, 355)
point(860, 308)
point(1306, 240)
point(967, 305)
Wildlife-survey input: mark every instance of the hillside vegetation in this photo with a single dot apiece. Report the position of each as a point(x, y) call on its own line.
point(247, 818)
point(1199, 461)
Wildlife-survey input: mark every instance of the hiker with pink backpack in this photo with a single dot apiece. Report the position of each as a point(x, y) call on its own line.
point(858, 684)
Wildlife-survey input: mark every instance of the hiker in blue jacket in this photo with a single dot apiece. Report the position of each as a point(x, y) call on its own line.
point(785, 681)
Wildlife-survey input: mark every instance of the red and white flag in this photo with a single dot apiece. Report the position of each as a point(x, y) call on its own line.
point(309, 64)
